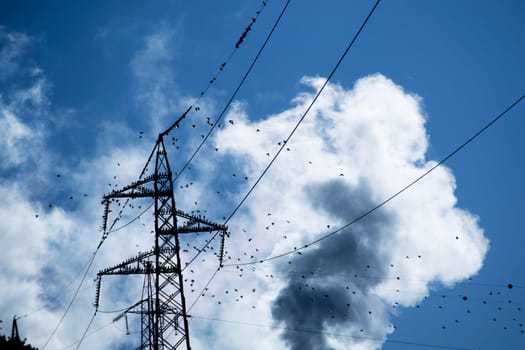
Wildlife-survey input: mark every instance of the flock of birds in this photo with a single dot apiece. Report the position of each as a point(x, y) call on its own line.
point(495, 304)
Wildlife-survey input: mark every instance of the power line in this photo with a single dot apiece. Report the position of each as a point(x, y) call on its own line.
point(283, 145)
point(204, 289)
point(381, 204)
point(384, 278)
point(166, 132)
point(72, 299)
point(458, 297)
point(85, 332)
point(200, 251)
point(334, 69)
point(132, 220)
point(203, 92)
point(232, 97)
point(451, 154)
point(90, 334)
point(221, 115)
point(304, 330)
point(58, 296)
point(224, 64)
point(237, 45)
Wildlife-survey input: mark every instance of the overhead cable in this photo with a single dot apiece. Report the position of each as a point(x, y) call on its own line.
point(234, 94)
point(384, 202)
point(334, 69)
point(85, 332)
point(283, 145)
point(168, 130)
point(72, 299)
point(316, 331)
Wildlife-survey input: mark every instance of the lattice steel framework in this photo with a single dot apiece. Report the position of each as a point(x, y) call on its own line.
point(164, 322)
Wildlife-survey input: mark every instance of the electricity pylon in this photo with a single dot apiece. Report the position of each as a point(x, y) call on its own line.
point(164, 322)
point(15, 336)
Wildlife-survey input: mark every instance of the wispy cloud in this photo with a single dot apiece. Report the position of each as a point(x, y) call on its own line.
point(13, 135)
point(157, 92)
point(12, 47)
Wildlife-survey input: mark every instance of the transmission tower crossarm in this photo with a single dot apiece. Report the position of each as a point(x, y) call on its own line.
point(137, 189)
point(197, 224)
point(196, 229)
point(138, 264)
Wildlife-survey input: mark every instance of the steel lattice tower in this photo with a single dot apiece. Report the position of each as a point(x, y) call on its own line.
point(164, 322)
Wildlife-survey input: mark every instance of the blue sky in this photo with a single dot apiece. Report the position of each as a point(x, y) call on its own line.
point(79, 82)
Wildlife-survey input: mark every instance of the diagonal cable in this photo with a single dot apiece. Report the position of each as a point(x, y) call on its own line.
point(234, 94)
point(327, 80)
point(384, 202)
point(334, 69)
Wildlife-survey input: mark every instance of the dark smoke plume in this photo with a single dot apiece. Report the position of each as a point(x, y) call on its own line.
point(322, 289)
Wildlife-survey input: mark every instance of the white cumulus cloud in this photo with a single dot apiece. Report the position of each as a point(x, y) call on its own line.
point(356, 148)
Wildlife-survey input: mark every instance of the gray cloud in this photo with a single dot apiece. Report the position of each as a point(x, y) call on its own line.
point(322, 294)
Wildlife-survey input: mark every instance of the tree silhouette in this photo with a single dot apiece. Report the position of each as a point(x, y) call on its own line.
point(14, 344)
